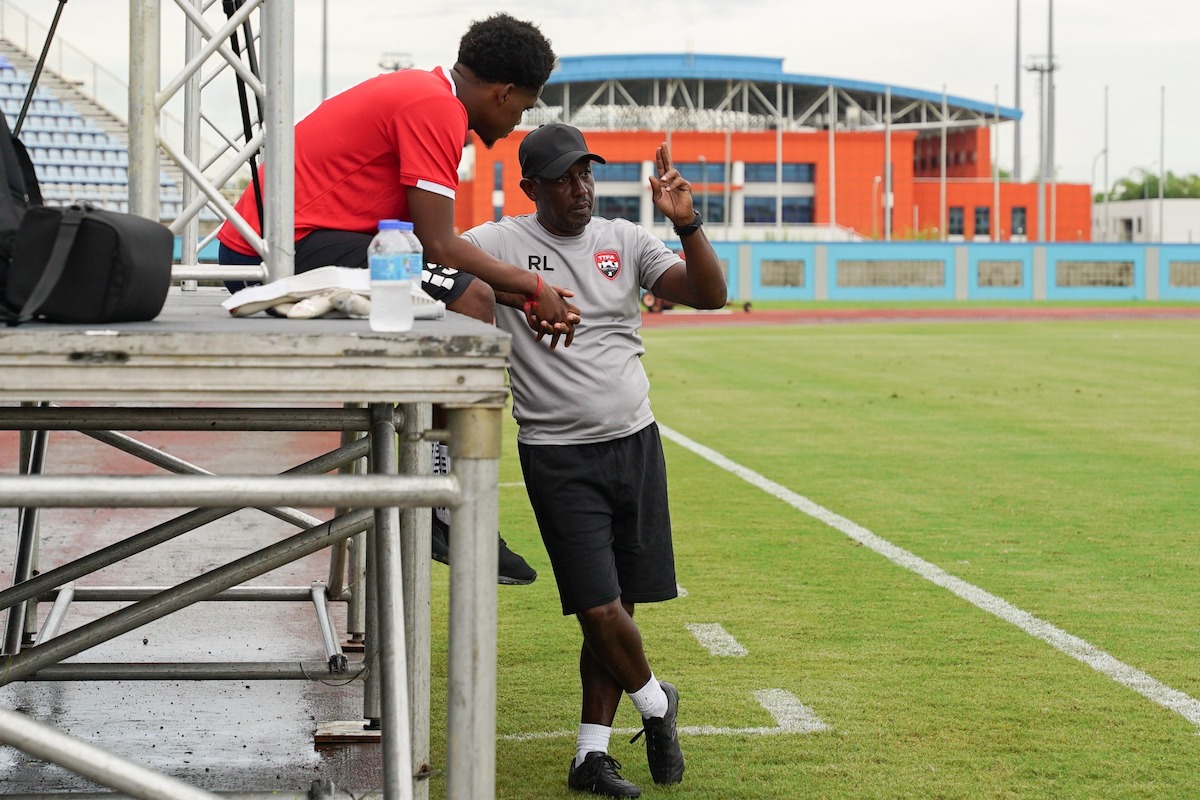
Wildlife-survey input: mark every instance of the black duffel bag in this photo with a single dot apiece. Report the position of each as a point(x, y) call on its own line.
point(87, 265)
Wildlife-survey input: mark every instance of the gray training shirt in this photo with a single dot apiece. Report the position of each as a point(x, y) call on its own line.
point(596, 389)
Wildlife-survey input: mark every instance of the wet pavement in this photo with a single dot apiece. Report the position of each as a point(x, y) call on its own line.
point(220, 735)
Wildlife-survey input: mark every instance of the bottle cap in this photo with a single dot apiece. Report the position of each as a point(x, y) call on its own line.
point(395, 225)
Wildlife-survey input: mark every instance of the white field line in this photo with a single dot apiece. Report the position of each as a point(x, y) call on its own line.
point(789, 712)
point(1130, 677)
point(791, 716)
point(511, 484)
point(716, 640)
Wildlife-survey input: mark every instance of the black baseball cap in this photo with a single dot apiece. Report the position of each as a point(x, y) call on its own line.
point(549, 151)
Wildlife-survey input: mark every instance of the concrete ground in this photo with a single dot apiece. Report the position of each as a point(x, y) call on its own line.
point(222, 735)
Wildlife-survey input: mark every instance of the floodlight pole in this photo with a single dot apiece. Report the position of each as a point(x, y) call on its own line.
point(1104, 228)
point(1050, 114)
point(995, 149)
point(1162, 161)
point(875, 202)
point(942, 222)
point(887, 166)
point(1042, 69)
point(1017, 103)
point(324, 49)
point(1103, 153)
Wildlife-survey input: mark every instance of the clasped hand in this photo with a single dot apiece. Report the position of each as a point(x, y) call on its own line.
point(551, 315)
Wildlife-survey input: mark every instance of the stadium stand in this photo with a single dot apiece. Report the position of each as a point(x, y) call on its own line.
point(75, 160)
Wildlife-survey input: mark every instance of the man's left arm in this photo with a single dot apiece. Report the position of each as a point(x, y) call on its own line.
point(697, 280)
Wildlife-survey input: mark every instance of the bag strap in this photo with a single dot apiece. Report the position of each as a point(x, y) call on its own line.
point(33, 190)
point(68, 228)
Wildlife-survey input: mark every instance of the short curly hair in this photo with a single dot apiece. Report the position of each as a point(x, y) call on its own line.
point(501, 49)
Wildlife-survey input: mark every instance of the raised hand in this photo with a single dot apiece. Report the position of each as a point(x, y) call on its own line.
point(672, 195)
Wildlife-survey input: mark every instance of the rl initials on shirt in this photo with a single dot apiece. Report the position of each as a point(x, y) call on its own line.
point(540, 263)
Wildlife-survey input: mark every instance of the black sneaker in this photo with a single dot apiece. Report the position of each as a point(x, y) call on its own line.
point(598, 775)
point(662, 741)
point(440, 532)
point(512, 569)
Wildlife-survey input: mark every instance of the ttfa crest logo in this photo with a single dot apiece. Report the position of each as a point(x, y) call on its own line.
point(608, 262)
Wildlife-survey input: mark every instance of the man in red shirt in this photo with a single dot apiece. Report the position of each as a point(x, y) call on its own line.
point(389, 148)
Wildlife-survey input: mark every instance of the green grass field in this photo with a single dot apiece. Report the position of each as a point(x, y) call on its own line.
point(1055, 466)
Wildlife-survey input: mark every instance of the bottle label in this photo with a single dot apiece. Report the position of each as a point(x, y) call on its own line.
point(396, 266)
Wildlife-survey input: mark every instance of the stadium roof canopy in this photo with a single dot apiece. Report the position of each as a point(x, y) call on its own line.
point(694, 91)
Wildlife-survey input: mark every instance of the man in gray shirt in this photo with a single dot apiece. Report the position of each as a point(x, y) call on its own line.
point(589, 447)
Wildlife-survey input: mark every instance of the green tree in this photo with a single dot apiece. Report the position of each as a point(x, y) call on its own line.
point(1145, 185)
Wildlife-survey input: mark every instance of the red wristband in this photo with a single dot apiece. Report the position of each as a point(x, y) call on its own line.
point(531, 299)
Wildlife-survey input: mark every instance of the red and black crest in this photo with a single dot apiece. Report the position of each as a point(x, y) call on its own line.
point(608, 262)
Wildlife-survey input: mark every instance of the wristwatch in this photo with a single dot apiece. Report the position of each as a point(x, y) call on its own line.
point(690, 228)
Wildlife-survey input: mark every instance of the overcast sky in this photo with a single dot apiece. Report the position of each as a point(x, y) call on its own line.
point(967, 46)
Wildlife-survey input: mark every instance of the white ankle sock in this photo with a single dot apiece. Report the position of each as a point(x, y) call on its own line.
point(650, 700)
point(591, 739)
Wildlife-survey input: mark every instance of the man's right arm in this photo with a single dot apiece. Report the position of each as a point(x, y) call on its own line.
point(433, 223)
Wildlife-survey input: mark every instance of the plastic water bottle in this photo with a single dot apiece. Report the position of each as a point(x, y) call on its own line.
point(395, 259)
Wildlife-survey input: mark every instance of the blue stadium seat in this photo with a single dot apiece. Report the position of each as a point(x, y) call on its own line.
point(75, 159)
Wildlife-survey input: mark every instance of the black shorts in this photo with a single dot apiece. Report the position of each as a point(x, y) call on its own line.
point(349, 249)
point(602, 510)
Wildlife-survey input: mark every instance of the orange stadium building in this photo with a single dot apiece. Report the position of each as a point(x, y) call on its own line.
point(765, 162)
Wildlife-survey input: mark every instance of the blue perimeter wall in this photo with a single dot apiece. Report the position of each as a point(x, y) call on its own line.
point(1166, 272)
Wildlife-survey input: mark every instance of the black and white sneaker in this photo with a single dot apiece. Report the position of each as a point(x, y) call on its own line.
point(662, 741)
point(512, 570)
point(599, 774)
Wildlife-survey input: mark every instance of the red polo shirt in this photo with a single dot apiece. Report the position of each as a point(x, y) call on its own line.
point(359, 151)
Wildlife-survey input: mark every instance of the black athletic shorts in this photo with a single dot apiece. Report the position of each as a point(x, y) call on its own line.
point(349, 249)
point(602, 510)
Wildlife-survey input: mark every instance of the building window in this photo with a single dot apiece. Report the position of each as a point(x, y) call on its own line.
point(617, 171)
point(760, 210)
point(799, 173)
point(1093, 273)
point(890, 273)
point(798, 210)
point(1183, 274)
point(983, 221)
point(1005, 274)
point(619, 207)
point(788, 272)
point(793, 172)
point(497, 191)
point(956, 221)
point(711, 208)
point(702, 171)
point(711, 205)
point(1018, 221)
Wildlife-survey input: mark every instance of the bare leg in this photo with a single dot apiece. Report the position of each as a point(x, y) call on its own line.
point(611, 660)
